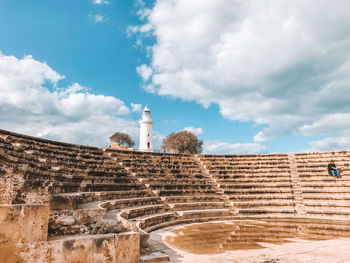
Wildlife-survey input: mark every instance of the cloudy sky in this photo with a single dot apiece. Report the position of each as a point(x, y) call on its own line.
point(246, 76)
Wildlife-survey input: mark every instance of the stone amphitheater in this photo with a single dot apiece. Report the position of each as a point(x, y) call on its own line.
point(69, 203)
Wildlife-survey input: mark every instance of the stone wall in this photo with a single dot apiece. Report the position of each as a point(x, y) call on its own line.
point(11, 181)
point(23, 238)
point(23, 223)
point(111, 248)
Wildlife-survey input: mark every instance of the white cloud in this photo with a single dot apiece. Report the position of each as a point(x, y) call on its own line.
point(101, 2)
point(267, 134)
point(195, 131)
point(331, 144)
point(144, 71)
point(281, 63)
point(98, 18)
point(145, 29)
point(338, 123)
point(149, 88)
point(217, 147)
point(157, 140)
point(136, 107)
point(144, 13)
point(32, 103)
point(139, 3)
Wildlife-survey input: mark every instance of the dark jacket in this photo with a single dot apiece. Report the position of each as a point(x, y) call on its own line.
point(331, 166)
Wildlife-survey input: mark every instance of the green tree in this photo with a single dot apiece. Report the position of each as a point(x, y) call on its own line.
point(122, 138)
point(182, 142)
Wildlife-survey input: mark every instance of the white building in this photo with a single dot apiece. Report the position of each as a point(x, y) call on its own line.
point(146, 131)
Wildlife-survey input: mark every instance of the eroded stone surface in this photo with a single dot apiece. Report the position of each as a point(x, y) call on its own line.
point(23, 223)
point(84, 249)
point(70, 223)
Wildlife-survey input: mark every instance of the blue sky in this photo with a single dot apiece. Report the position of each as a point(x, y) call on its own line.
point(245, 76)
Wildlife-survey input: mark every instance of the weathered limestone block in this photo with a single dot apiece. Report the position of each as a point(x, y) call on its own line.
point(83, 221)
point(127, 246)
point(35, 194)
point(66, 201)
point(5, 189)
point(23, 223)
point(43, 252)
point(103, 226)
point(10, 183)
point(84, 216)
point(63, 223)
point(110, 248)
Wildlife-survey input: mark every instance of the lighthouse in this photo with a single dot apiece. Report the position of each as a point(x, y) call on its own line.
point(146, 131)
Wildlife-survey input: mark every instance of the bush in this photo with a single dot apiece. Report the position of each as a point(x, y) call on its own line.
point(122, 138)
point(182, 142)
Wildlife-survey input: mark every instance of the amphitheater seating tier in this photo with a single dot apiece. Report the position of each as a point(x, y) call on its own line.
point(178, 181)
point(324, 195)
point(256, 184)
point(153, 190)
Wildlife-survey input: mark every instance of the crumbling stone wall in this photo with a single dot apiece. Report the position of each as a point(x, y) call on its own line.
point(23, 223)
point(23, 238)
point(69, 222)
point(111, 248)
point(11, 183)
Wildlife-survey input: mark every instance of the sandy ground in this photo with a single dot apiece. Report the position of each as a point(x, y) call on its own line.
point(297, 250)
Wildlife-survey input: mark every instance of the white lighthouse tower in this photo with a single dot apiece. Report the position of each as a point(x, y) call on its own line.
point(146, 131)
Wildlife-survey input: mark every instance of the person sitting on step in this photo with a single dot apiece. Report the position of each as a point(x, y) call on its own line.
point(332, 169)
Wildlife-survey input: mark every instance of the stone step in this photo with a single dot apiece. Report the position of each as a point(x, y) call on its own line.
point(325, 190)
point(251, 172)
point(251, 176)
point(154, 257)
point(183, 186)
point(327, 197)
point(186, 192)
point(254, 186)
point(67, 187)
point(197, 198)
point(248, 167)
point(324, 179)
point(123, 203)
point(153, 221)
point(172, 180)
point(286, 190)
point(139, 211)
point(197, 206)
point(328, 205)
point(248, 180)
point(203, 213)
point(73, 200)
point(325, 212)
point(325, 186)
point(259, 196)
point(284, 210)
point(264, 204)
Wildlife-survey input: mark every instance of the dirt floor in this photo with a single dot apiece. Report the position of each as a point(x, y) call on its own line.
point(191, 243)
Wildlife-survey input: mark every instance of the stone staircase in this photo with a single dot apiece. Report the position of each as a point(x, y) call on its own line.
point(298, 200)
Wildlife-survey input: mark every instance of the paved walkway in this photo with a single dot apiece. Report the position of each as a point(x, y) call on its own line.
point(297, 251)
